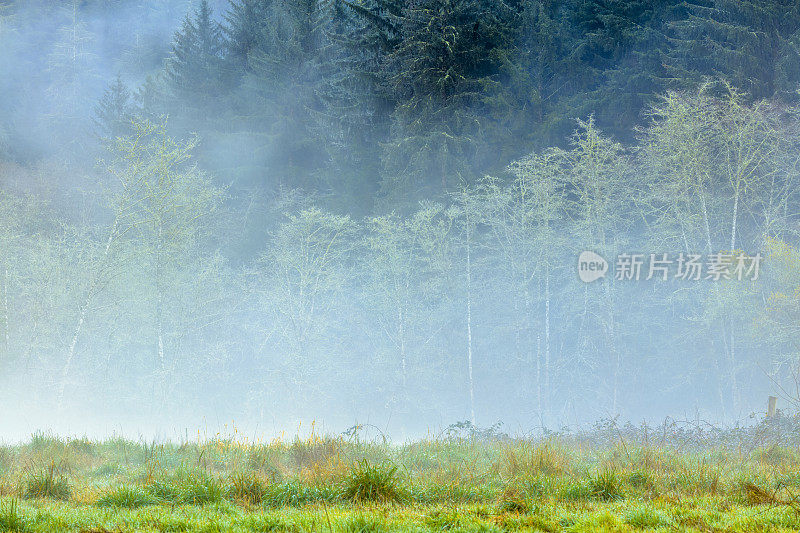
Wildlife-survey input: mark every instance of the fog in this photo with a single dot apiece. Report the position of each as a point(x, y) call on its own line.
point(274, 218)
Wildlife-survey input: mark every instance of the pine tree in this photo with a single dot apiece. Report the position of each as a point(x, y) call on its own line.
point(751, 44)
point(542, 70)
point(246, 22)
point(6, 18)
point(193, 71)
point(354, 97)
point(617, 49)
point(450, 77)
point(114, 112)
point(279, 103)
point(6, 65)
point(73, 71)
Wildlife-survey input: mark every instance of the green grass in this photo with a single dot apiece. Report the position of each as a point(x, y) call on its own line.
point(247, 487)
point(605, 485)
point(326, 485)
point(128, 497)
point(47, 482)
point(10, 518)
point(372, 483)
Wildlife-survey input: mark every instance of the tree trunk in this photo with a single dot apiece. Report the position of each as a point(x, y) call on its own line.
point(402, 344)
point(91, 292)
point(612, 344)
point(547, 340)
point(733, 218)
point(6, 325)
point(71, 354)
point(732, 342)
point(469, 334)
point(539, 375)
point(705, 221)
point(160, 300)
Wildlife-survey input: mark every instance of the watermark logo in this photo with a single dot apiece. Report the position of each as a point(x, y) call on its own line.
point(688, 267)
point(591, 266)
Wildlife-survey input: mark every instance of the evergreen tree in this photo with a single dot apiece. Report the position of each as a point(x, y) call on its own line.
point(616, 59)
point(114, 112)
point(193, 70)
point(72, 69)
point(751, 44)
point(449, 73)
point(246, 22)
point(544, 70)
point(278, 104)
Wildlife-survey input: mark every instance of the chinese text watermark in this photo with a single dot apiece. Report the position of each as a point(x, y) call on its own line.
point(663, 266)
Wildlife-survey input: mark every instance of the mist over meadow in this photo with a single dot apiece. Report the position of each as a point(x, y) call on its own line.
point(273, 213)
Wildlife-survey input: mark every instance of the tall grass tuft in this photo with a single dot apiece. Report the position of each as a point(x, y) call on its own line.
point(363, 524)
point(247, 487)
point(513, 501)
point(374, 483)
point(127, 497)
point(605, 485)
point(47, 482)
point(11, 519)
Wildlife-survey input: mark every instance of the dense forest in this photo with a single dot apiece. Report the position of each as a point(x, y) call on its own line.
point(372, 210)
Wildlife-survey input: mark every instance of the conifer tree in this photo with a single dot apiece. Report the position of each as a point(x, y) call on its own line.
point(114, 112)
point(193, 70)
point(449, 74)
point(750, 44)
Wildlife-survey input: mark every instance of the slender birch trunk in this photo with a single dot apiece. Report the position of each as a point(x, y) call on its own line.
point(469, 333)
point(547, 339)
point(732, 341)
point(90, 294)
point(705, 221)
point(159, 300)
point(733, 218)
point(539, 374)
point(6, 324)
point(402, 344)
point(613, 346)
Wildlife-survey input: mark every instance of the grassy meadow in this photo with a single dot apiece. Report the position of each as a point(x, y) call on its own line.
point(679, 477)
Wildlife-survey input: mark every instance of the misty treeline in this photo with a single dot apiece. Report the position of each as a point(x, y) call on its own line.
point(375, 104)
point(372, 210)
point(464, 307)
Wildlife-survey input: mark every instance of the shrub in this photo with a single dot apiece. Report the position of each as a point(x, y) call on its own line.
point(107, 470)
point(647, 519)
point(164, 491)
point(296, 492)
point(752, 494)
point(7, 455)
point(441, 520)
point(41, 441)
point(640, 480)
point(511, 501)
point(576, 491)
point(187, 488)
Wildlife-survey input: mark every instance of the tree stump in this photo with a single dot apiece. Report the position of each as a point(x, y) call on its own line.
point(771, 406)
